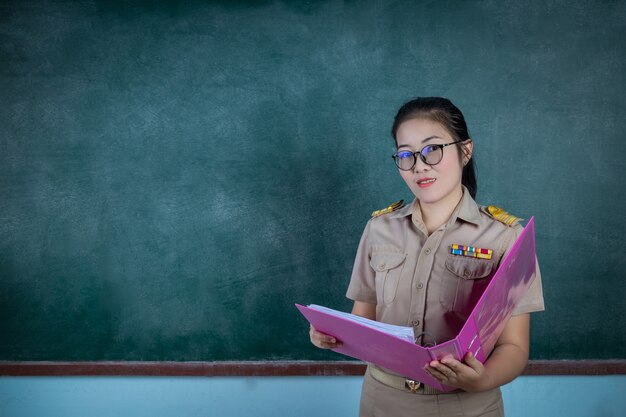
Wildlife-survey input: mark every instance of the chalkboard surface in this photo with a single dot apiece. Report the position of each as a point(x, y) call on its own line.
point(175, 176)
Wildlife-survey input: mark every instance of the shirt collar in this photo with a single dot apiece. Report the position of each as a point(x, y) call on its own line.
point(467, 209)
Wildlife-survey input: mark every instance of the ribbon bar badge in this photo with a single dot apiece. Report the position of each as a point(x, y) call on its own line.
point(471, 251)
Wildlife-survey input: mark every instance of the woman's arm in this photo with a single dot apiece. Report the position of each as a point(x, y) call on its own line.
point(324, 341)
point(366, 310)
point(507, 361)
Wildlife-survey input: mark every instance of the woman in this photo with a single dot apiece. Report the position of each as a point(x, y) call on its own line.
point(406, 274)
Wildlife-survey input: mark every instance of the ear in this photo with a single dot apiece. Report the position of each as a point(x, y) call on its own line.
point(467, 146)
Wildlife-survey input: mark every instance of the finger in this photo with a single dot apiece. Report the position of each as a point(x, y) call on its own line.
point(322, 340)
point(314, 334)
point(330, 344)
point(436, 374)
point(443, 369)
point(472, 362)
point(318, 335)
point(453, 364)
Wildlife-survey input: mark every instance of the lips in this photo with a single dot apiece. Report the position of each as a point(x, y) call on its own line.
point(425, 182)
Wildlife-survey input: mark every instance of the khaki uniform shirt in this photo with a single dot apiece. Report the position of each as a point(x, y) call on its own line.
point(415, 281)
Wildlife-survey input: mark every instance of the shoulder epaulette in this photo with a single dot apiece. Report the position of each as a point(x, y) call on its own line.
point(502, 216)
point(395, 206)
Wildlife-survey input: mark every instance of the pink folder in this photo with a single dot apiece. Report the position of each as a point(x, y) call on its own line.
point(479, 334)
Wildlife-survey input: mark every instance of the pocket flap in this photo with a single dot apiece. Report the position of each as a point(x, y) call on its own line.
point(469, 268)
point(385, 261)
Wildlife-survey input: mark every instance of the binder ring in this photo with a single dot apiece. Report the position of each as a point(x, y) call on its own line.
point(427, 345)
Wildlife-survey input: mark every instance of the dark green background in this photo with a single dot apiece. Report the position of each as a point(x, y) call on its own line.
point(174, 177)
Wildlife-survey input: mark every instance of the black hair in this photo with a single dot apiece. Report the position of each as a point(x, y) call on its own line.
point(442, 111)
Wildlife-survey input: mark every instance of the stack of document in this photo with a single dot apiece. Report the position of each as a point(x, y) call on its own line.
point(401, 332)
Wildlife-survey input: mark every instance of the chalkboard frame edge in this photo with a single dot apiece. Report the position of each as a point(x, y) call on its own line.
point(269, 368)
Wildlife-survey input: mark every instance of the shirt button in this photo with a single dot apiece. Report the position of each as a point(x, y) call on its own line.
point(427, 251)
point(416, 322)
point(420, 285)
point(381, 266)
point(466, 273)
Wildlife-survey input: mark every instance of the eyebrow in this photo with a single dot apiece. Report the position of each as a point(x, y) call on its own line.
point(423, 141)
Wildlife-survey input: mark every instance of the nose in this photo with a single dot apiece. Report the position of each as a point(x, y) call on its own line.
point(420, 166)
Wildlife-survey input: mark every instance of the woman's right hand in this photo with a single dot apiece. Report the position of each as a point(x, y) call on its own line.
point(323, 341)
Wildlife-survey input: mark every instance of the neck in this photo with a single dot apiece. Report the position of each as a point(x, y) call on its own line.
point(436, 214)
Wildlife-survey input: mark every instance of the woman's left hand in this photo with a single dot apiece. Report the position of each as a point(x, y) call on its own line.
point(469, 375)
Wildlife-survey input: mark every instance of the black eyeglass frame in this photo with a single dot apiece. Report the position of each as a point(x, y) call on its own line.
point(422, 157)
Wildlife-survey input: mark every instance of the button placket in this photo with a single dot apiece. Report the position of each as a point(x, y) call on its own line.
point(423, 271)
point(414, 245)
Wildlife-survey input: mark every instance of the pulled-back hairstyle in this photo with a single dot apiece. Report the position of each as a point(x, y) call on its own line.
point(442, 111)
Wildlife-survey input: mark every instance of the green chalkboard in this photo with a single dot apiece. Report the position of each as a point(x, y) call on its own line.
point(175, 176)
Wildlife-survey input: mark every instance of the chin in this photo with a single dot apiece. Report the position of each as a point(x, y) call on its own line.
point(426, 200)
point(430, 196)
point(427, 196)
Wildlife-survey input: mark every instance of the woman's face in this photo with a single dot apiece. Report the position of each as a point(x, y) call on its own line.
point(432, 183)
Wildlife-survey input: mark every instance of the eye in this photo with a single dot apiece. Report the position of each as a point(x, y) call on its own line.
point(428, 149)
point(404, 154)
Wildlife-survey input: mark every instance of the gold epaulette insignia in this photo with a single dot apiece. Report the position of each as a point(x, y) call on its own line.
point(502, 216)
point(395, 206)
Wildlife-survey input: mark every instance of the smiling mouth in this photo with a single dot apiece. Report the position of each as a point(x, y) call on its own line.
point(426, 183)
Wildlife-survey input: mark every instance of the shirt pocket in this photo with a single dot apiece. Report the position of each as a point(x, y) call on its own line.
point(466, 279)
point(388, 268)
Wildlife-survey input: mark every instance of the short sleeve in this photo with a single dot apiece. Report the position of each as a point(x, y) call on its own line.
point(533, 299)
point(362, 285)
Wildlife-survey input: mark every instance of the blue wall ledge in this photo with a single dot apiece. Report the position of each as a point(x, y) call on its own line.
point(302, 396)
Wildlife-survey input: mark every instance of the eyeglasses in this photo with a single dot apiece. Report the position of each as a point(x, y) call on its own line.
point(430, 155)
